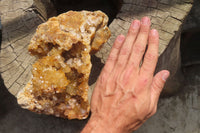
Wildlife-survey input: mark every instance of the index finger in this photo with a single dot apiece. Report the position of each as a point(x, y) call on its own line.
point(112, 58)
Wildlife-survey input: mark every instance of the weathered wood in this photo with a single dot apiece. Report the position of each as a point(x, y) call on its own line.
point(167, 17)
point(20, 19)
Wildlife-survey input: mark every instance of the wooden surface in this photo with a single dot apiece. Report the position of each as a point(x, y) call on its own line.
point(167, 17)
point(20, 18)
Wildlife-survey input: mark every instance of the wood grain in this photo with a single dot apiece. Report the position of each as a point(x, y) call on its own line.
point(167, 17)
point(20, 18)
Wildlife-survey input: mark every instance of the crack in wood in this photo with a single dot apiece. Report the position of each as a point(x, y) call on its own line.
point(35, 9)
point(32, 15)
point(16, 76)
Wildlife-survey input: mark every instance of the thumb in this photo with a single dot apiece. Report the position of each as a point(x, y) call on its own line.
point(158, 84)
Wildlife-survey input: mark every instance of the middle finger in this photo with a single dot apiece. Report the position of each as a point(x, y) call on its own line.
point(140, 43)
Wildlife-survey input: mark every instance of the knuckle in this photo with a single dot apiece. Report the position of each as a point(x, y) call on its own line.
point(132, 31)
point(124, 51)
point(150, 56)
point(147, 68)
point(132, 65)
point(145, 30)
point(154, 40)
point(120, 64)
point(139, 48)
point(157, 84)
point(116, 45)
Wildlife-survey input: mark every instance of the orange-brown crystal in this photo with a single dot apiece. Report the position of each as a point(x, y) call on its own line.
point(59, 83)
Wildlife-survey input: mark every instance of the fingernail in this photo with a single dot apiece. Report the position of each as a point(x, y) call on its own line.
point(165, 76)
point(145, 21)
point(135, 24)
point(154, 32)
point(120, 38)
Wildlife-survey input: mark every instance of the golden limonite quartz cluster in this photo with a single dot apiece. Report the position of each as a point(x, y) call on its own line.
point(59, 82)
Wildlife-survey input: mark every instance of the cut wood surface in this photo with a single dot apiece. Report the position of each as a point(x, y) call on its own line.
point(167, 17)
point(20, 19)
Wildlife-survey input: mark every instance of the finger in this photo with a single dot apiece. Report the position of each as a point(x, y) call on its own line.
point(110, 63)
point(140, 43)
point(151, 56)
point(112, 58)
point(157, 86)
point(128, 43)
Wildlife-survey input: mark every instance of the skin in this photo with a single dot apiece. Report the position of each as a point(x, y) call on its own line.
point(127, 92)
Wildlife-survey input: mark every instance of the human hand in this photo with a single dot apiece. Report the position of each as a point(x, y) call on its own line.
point(127, 92)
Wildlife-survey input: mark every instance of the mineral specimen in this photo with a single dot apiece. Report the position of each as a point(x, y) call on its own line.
point(59, 83)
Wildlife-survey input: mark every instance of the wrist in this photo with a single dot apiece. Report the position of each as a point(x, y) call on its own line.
point(98, 125)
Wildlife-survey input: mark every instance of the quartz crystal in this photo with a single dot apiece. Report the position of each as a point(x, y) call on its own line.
point(59, 82)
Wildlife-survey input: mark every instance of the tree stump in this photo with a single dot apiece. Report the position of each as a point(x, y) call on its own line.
point(167, 17)
point(20, 19)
